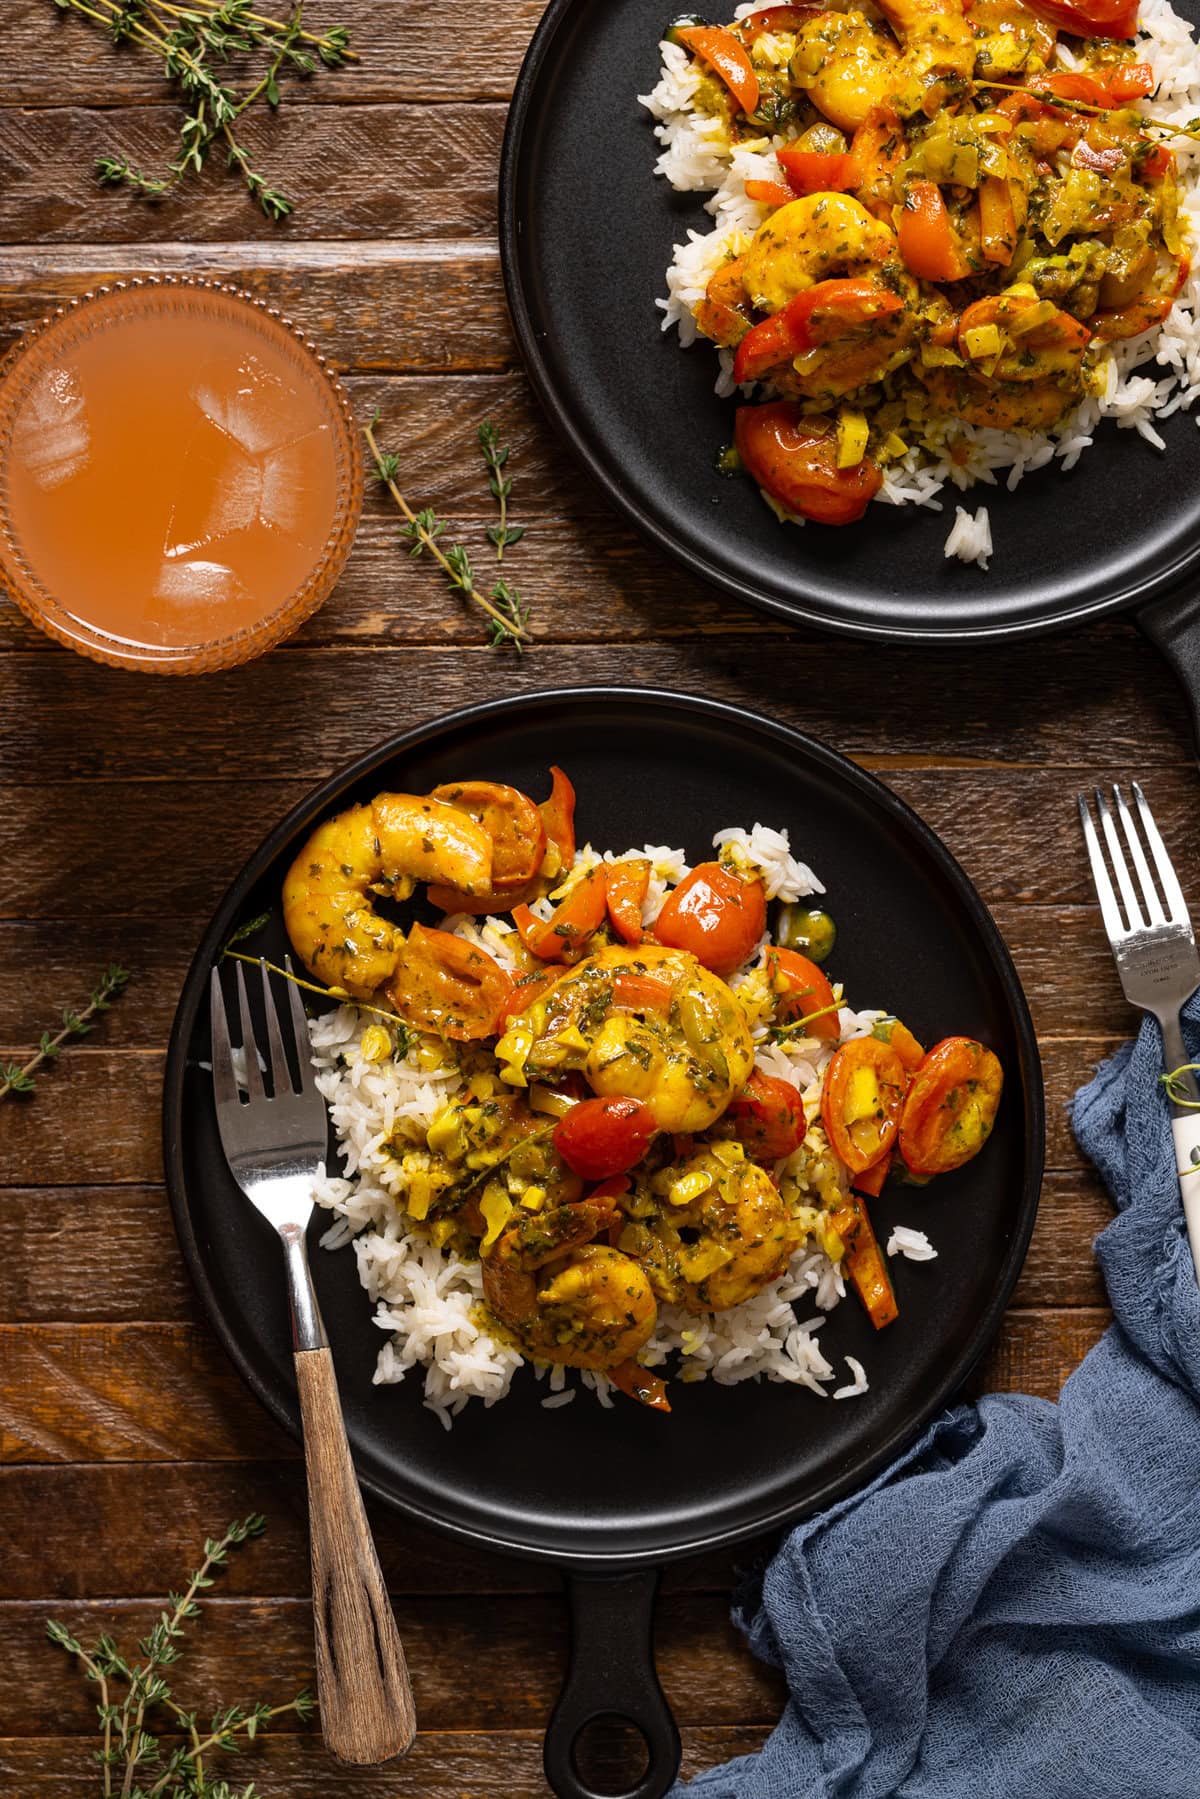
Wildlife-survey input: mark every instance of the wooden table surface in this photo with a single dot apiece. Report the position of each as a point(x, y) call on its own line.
point(129, 803)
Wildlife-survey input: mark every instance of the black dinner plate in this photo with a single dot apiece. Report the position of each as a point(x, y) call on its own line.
point(586, 236)
point(627, 1487)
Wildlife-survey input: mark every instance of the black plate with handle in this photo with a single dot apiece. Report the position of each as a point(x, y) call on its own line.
point(587, 231)
point(610, 1495)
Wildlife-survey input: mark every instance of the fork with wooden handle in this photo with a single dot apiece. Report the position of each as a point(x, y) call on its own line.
point(274, 1146)
point(1155, 953)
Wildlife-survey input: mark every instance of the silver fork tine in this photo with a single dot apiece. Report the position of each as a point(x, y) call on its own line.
point(1154, 911)
point(300, 1029)
point(1109, 909)
point(254, 1080)
point(1166, 873)
point(281, 1075)
point(1120, 866)
point(225, 1087)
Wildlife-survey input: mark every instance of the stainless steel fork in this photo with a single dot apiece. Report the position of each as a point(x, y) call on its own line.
point(274, 1145)
point(1155, 952)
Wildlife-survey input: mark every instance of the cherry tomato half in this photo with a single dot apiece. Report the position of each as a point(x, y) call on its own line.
point(768, 1118)
point(802, 989)
point(861, 1101)
point(602, 1137)
point(793, 457)
point(715, 915)
point(445, 984)
point(951, 1106)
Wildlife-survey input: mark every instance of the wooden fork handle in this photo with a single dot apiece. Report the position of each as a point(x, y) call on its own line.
point(367, 1712)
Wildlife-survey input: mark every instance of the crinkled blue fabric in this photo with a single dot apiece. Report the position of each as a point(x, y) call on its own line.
point(1013, 1610)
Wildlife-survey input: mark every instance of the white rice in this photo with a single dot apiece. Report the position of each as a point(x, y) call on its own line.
point(429, 1302)
point(913, 1245)
point(970, 537)
point(696, 157)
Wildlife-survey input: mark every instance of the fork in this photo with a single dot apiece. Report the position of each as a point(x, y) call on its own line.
point(1155, 953)
point(274, 1146)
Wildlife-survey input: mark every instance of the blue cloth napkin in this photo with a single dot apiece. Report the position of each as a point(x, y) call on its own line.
point(1013, 1610)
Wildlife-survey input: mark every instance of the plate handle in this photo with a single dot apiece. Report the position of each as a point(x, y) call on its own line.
point(1173, 627)
point(611, 1672)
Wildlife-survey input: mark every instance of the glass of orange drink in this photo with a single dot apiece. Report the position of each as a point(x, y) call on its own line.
point(181, 476)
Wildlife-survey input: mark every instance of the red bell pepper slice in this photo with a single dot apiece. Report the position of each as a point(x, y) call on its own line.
point(563, 937)
point(810, 318)
point(726, 57)
point(819, 171)
point(775, 18)
point(769, 193)
point(1089, 18)
point(928, 245)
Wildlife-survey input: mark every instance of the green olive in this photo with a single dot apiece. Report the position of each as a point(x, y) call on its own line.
point(807, 929)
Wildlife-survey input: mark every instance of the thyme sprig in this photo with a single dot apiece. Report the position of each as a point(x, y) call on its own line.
point(15, 1078)
point(1179, 1091)
point(495, 455)
point(191, 40)
point(338, 993)
point(1191, 129)
point(134, 1755)
point(507, 612)
point(780, 1033)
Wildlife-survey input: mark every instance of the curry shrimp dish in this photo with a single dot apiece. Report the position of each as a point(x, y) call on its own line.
point(946, 234)
point(605, 1112)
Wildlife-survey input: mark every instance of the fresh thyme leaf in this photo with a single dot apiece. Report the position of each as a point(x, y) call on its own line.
point(15, 1078)
point(190, 38)
point(495, 456)
point(421, 530)
point(129, 1745)
point(250, 929)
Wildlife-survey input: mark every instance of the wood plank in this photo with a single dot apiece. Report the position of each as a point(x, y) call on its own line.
point(94, 1119)
point(394, 306)
point(368, 688)
point(1037, 1351)
point(502, 1764)
point(165, 1393)
point(420, 50)
point(432, 174)
point(132, 1271)
point(76, 1503)
point(707, 1673)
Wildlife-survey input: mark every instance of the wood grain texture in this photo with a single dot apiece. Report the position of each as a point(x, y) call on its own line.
point(363, 1691)
point(394, 306)
point(76, 1502)
point(410, 50)
point(445, 1636)
point(368, 171)
point(449, 1764)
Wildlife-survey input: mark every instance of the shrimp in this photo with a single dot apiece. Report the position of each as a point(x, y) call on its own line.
point(810, 240)
point(1002, 405)
point(939, 52)
point(718, 1234)
point(384, 847)
point(642, 1023)
point(848, 64)
point(565, 1298)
